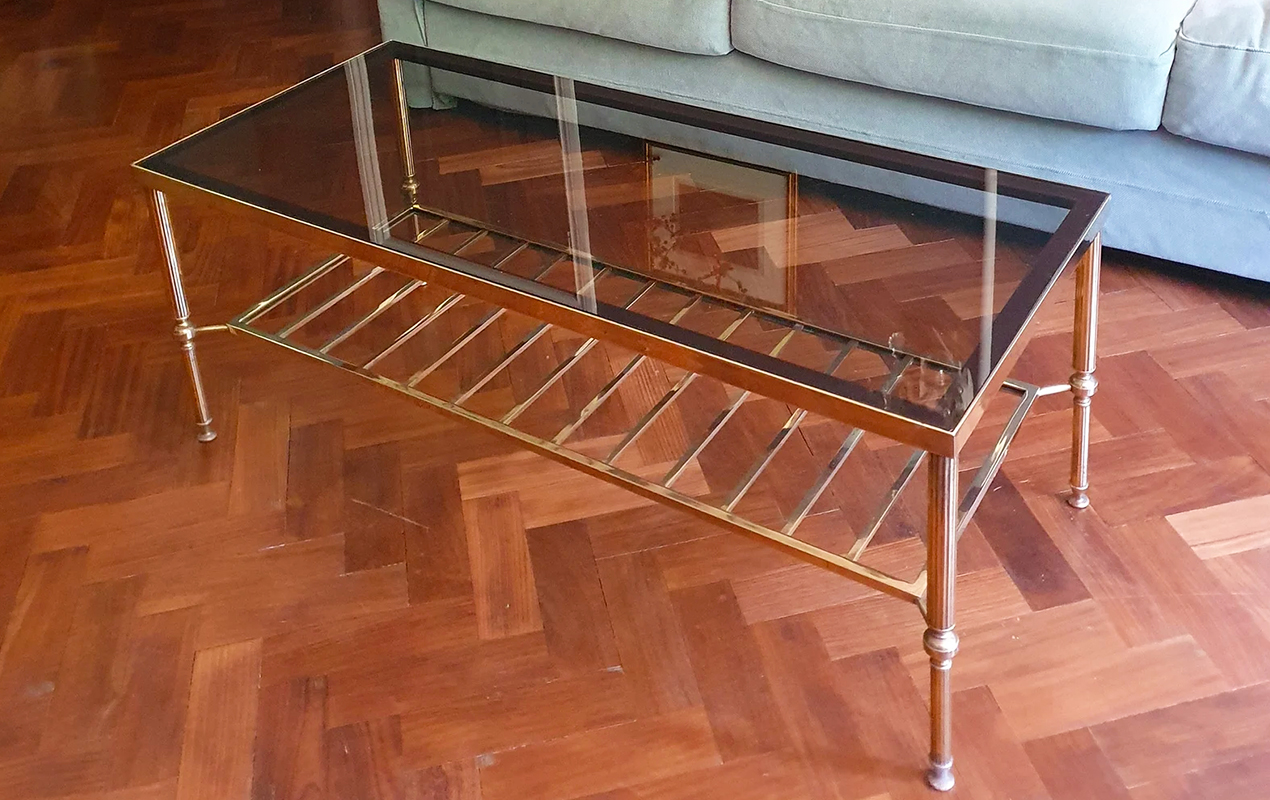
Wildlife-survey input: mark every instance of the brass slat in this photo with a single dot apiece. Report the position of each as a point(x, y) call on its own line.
point(421, 235)
point(982, 480)
point(475, 330)
point(507, 359)
point(726, 414)
point(476, 237)
point(906, 474)
point(822, 481)
point(595, 402)
point(773, 447)
point(290, 290)
point(409, 333)
point(787, 430)
point(330, 302)
point(387, 303)
point(564, 366)
point(669, 397)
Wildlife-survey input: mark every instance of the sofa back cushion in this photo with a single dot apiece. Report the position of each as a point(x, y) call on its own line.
point(1220, 89)
point(686, 26)
point(1099, 62)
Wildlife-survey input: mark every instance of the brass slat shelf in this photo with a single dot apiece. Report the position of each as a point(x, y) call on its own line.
point(557, 446)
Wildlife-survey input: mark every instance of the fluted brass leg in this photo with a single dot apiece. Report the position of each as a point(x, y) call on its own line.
point(1084, 357)
point(184, 330)
point(940, 640)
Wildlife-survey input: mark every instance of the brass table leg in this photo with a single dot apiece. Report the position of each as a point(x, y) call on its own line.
point(184, 330)
point(941, 640)
point(1084, 356)
point(410, 184)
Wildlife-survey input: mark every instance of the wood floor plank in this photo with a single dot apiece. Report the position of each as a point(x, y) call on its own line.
point(1074, 767)
point(315, 486)
point(18, 538)
point(1035, 565)
point(1128, 682)
point(216, 755)
point(394, 679)
point(502, 575)
point(34, 641)
point(455, 781)
point(1188, 592)
point(990, 761)
point(478, 725)
point(818, 720)
point(571, 599)
point(1123, 594)
point(437, 559)
point(364, 762)
point(290, 757)
point(752, 778)
point(1176, 490)
point(375, 528)
point(260, 471)
point(151, 721)
point(1188, 737)
point(650, 642)
point(366, 639)
point(890, 719)
point(1225, 528)
point(87, 700)
point(737, 697)
point(648, 749)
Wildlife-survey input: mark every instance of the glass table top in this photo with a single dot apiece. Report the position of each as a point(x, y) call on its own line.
point(890, 280)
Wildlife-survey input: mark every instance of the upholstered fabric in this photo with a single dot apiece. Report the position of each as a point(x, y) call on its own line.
point(1099, 62)
point(1220, 89)
point(685, 26)
point(403, 20)
point(1170, 197)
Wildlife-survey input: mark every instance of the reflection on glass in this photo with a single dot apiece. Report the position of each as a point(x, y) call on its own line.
point(367, 151)
point(986, 310)
point(748, 259)
point(575, 193)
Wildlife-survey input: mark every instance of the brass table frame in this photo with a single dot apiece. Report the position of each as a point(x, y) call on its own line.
point(948, 510)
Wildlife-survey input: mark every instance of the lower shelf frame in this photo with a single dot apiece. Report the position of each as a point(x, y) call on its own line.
point(847, 565)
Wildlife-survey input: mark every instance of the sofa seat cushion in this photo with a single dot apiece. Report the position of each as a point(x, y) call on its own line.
point(685, 26)
point(1090, 61)
point(1220, 89)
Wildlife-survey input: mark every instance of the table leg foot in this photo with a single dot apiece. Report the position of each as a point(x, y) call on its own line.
point(940, 777)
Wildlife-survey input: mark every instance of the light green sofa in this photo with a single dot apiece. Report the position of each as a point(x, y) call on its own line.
point(1165, 104)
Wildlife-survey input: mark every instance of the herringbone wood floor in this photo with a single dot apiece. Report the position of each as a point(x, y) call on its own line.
point(348, 597)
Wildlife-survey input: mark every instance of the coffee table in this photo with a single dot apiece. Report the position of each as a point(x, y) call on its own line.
point(642, 289)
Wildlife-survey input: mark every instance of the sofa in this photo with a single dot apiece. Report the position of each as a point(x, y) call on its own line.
point(1164, 104)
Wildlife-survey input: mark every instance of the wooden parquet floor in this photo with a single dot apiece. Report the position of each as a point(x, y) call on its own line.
point(348, 597)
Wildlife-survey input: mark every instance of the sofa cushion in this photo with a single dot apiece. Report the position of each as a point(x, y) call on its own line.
point(1220, 89)
point(1092, 61)
point(686, 26)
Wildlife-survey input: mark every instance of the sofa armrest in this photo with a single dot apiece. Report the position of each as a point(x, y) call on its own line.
point(404, 21)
